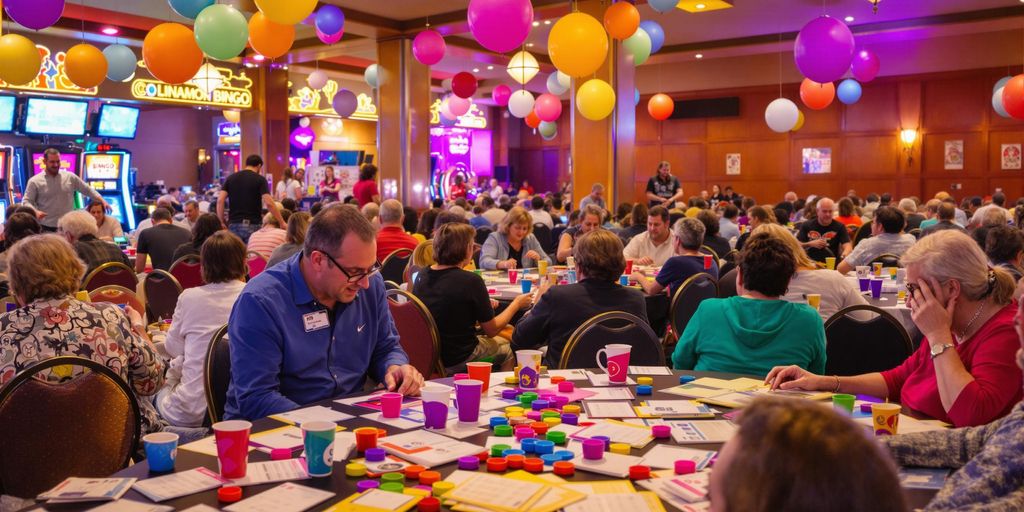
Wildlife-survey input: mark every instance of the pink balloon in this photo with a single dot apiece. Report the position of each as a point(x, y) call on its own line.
point(428, 47)
point(865, 65)
point(823, 49)
point(500, 25)
point(501, 95)
point(329, 38)
point(446, 112)
point(548, 107)
point(458, 106)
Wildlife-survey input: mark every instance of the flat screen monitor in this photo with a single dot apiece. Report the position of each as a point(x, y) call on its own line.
point(44, 116)
point(7, 113)
point(117, 207)
point(68, 162)
point(103, 166)
point(117, 122)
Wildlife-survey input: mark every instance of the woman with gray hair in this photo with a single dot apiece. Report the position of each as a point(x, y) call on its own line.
point(688, 261)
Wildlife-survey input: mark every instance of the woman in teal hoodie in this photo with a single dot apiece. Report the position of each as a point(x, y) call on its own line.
point(757, 330)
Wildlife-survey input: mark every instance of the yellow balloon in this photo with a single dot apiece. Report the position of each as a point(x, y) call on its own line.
point(86, 66)
point(233, 116)
point(595, 99)
point(799, 121)
point(286, 12)
point(21, 60)
point(578, 44)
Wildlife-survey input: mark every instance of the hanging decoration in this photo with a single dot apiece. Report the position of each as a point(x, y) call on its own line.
point(189, 8)
point(171, 53)
point(500, 25)
point(345, 103)
point(317, 80)
point(781, 115)
point(330, 19)
point(85, 65)
point(269, 39)
point(660, 106)
point(578, 44)
point(558, 83)
point(639, 46)
point(286, 12)
point(523, 67)
point(121, 62)
point(221, 31)
point(595, 99)
point(520, 104)
point(501, 95)
point(849, 91)
point(463, 85)
point(655, 32)
point(34, 14)
point(621, 20)
point(371, 76)
point(824, 49)
point(21, 59)
point(428, 47)
point(548, 107)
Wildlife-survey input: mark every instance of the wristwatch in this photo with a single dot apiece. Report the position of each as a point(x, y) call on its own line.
point(937, 350)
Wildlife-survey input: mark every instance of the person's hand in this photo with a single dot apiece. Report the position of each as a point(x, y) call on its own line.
point(532, 254)
point(405, 378)
point(522, 301)
point(818, 244)
point(133, 315)
point(667, 203)
point(107, 207)
point(494, 304)
point(638, 276)
point(934, 319)
point(510, 264)
point(40, 214)
point(794, 377)
point(643, 261)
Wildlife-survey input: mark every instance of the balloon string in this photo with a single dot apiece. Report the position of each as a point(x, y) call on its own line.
point(780, 64)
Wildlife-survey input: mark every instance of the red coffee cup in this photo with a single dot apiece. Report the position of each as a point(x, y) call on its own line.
point(232, 438)
point(707, 262)
point(629, 267)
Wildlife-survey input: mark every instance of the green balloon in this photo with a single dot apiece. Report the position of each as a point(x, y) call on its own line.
point(639, 46)
point(548, 129)
point(221, 31)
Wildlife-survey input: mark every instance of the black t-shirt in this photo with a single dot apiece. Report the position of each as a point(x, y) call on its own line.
point(718, 244)
point(160, 242)
point(835, 233)
point(457, 300)
point(662, 189)
point(516, 255)
point(245, 196)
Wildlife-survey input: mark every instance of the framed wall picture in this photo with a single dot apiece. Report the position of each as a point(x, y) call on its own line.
point(953, 155)
point(1010, 157)
point(817, 160)
point(732, 164)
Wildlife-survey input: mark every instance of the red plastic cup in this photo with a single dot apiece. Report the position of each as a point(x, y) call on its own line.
point(366, 438)
point(629, 267)
point(480, 371)
point(513, 276)
point(232, 438)
point(391, 405)
point(707, 262)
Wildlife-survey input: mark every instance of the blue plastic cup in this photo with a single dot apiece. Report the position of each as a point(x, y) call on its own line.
point(624, 280)
point(161, 450)
point(526, 284)
point(318, 440)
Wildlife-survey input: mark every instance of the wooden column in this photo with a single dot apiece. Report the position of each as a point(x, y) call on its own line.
point(265, 126)
point(403, 128)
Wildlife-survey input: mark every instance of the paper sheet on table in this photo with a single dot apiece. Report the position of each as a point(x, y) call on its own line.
point(75, 489)
point(691, 390)
point(609, 393)
point(458, 430)
point(284, 437)
point(923, 478)
point(703, 431)
point(314, 413)
point(660, 486)
point(650, 370)
point(602, 487)
point(497, 493)
point(181, 483)
point(609, 409)
point(271, 472)
point(205, 446)
point(376, 500)
point(612, 464)
point(131, 506)
point(601, 379)
point(427, 448)
point(664, 456)
point(572, 374)
point(556, 497)
point(907, 425)
point(619, 432)
point(287, 497)
point(636, 501)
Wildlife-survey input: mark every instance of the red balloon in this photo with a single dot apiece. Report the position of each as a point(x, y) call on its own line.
point(532, 120)
point(464, 84)
point(1013, 97)
point(660, 106)
point(817, 96)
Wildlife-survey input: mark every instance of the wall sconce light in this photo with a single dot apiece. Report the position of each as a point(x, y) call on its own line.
point(908, 137)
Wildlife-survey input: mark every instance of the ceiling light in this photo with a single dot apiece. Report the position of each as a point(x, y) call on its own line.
point(536, 23)
point(548, 22)
point(476, 70)
point(849, 19)
point(207, 79)
point(110, 31)
point(701, 6)
point(258, 58)
point(492, 67)
point(523, 67)
point(699, 56)
point(529, 45)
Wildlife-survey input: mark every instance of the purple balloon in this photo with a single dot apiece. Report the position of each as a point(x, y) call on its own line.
point(824, 49)
point(345, 103)
point(501, 95)
point(329, 38)
point(428, 47)
point(330, 20)
point(865, 65)
point(448, 122)
point(500, 25)
point(35, 14)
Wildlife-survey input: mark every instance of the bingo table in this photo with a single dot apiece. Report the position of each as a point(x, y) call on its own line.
point(497, 453)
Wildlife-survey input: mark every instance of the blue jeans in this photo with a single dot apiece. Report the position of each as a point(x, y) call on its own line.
point(244, 231)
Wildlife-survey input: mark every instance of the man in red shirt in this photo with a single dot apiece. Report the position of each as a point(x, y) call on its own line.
point(391, 236)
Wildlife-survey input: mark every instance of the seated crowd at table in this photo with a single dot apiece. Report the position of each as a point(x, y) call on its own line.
point(315, 324)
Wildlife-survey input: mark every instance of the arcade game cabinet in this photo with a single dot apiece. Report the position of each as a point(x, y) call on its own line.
point(107, 170)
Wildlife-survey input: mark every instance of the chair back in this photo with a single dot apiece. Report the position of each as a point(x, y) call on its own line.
point(556, 235)
point(542, 233)
point(117, 295)
point(257, 263)
point(217, 374)
point(481, 234)
point(111, 273)
point(393, 266)
point(188, 271)
point(864, 231)
point(916, 233)
point(887, 260)
point(616, 327)
point(685, 300)
point(162, 291)
point(417, 332)
point(855, 347)
point(730, 257)
point(851, 229)
point(727, 284)
point(707, 250)
point(85, 426)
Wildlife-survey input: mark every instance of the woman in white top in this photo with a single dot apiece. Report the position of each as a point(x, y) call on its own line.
point(109, 227)
point(289, 187)
point(198, 315)
point(836, 291)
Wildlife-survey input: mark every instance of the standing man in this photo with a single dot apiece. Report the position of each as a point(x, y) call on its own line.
point(824, 232)
point(52, 193)
point(595, 198)
point(664, 189)
point(246, 190)
point(656, 245)
point(316, 325)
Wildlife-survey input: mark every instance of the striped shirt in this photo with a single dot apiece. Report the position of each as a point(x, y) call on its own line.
point(266, 240)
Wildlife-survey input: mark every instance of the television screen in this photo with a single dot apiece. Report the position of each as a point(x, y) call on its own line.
point(7, 113)
point(103, 166)
point(118, 122)
point(56, 117)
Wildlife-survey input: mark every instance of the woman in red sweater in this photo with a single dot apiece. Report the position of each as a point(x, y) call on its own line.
point(964, 371)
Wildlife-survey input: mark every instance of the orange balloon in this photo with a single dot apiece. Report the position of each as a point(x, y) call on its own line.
point(817, 96)
point(1013, 97)
point(532, 120)
point(85, 66)
point(271, 40)
point(621, 20)
point(660, 106)
point(171, 53)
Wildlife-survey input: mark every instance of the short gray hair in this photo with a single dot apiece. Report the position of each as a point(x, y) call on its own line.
point(370, 210)
point(330, 227)
point(78, 223)
point(908, 205)
point(596, 187)
point(391, 211)
point(690, 233)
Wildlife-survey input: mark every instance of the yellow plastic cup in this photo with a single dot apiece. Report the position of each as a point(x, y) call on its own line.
point(814, 300)
point(886, 418)
point(542, 267)
point(830, 263)
point(877, 269)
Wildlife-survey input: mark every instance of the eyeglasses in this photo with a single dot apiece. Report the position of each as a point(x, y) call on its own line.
point(358, 275)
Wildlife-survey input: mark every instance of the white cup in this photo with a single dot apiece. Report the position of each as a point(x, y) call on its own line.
point(863, 271)
point(436, 393)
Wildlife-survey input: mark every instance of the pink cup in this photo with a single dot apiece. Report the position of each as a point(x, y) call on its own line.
point(513, 276)
point(391, 405)
point(618, 362)
point(232, 438)
point(629, 267)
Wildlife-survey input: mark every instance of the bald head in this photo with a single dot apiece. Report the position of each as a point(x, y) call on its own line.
point(790, 196)
point(826, 209)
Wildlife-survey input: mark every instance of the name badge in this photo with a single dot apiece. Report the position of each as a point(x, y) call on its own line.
point(315, 321)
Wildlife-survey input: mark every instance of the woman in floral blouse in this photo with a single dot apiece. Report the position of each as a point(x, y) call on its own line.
point(45, 274)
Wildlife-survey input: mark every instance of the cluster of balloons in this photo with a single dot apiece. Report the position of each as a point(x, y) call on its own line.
point(1012, 96)
point(330, 24)
point(21, 60)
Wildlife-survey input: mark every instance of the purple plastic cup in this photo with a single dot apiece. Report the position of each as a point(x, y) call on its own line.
point(467, 399)
point(865, 283)
point(876, 288)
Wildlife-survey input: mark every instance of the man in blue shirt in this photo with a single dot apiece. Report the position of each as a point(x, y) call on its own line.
point(315, 326)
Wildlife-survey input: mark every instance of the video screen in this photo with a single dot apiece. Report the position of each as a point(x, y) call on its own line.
point(103, 166)
point(7, 113)
point(118, 122)
point(56, 117)
point(68, 162)
point(117, 207)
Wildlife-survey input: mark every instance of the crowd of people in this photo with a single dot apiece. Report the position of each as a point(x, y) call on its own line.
point(315, 324)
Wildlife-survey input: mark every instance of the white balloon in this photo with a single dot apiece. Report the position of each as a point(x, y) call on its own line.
point(317, 80)
point(521, 103)
point(555, 85)
point(997, 103)
point(372, 76)
point(304, 122)
point(446, 84)
point(781, 115)
point(1002, 81)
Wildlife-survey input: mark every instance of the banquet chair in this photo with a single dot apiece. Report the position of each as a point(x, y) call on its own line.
point(696, 289)
point(89, 426)
point(556, 234)
point(851, 229)
point(417, 332)
point(162, 291)
point(543, 235)
point(887, 260)
point(916, 233)
point(256, 262)
point(707, 250)
point(188, 271)
point(730, 257)
point(617, 327)
point(117, 295)
point(391, 285)
point(394, 264)
point(727, 284)
point(477, 250)
point(217, 374)
point(111, 273)
point(8, 303)
point(863, 232)
point(854, 346)
point(481, 234)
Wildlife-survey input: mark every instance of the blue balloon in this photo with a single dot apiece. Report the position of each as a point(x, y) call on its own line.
point(663, 5)
point(121, 62)
point(848, 91)
point(636, 96)
point(330, 20)
point(447, 123)
point(657, 34)
point(190, 8)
